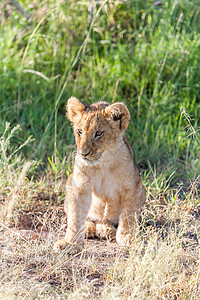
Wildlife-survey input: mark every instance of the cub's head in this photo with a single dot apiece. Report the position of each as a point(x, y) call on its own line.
point(97, 127)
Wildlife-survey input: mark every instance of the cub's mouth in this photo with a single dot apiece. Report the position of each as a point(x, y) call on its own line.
point(90, 158)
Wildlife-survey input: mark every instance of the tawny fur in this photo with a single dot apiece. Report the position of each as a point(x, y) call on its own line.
point(105, 187)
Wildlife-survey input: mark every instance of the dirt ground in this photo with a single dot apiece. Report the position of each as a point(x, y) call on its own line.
point(30, 269)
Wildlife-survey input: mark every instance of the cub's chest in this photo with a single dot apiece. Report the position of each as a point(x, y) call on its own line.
point(106, 183)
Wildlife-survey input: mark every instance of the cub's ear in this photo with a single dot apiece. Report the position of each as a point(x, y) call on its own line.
point(75, 109)
point(119, 113)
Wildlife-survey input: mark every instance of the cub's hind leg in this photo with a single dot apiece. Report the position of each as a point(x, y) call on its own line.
point(130, 209)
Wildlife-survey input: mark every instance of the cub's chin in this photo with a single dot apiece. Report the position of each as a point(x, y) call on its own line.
point(91, 160)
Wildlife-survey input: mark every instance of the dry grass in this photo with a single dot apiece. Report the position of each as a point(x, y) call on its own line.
point(162, 263)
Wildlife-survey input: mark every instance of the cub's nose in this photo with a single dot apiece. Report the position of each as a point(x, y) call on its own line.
point(84, 153)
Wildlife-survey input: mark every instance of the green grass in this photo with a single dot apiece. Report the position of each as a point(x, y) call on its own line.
point(152, 53)
point(144, 54)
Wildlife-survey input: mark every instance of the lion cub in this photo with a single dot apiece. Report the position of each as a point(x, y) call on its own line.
point(105, 188)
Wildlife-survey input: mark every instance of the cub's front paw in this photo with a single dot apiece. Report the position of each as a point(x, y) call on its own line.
point(60, 245)
point(73, 248)
point(124, 239)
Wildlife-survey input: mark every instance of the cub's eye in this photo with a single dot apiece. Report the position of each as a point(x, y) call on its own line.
point(79, 131)
point(98, 134)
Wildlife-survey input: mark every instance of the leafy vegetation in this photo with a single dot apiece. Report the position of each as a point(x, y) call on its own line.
point(145, 53)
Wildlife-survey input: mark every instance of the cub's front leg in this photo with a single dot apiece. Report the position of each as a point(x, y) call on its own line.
point(77, 203)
